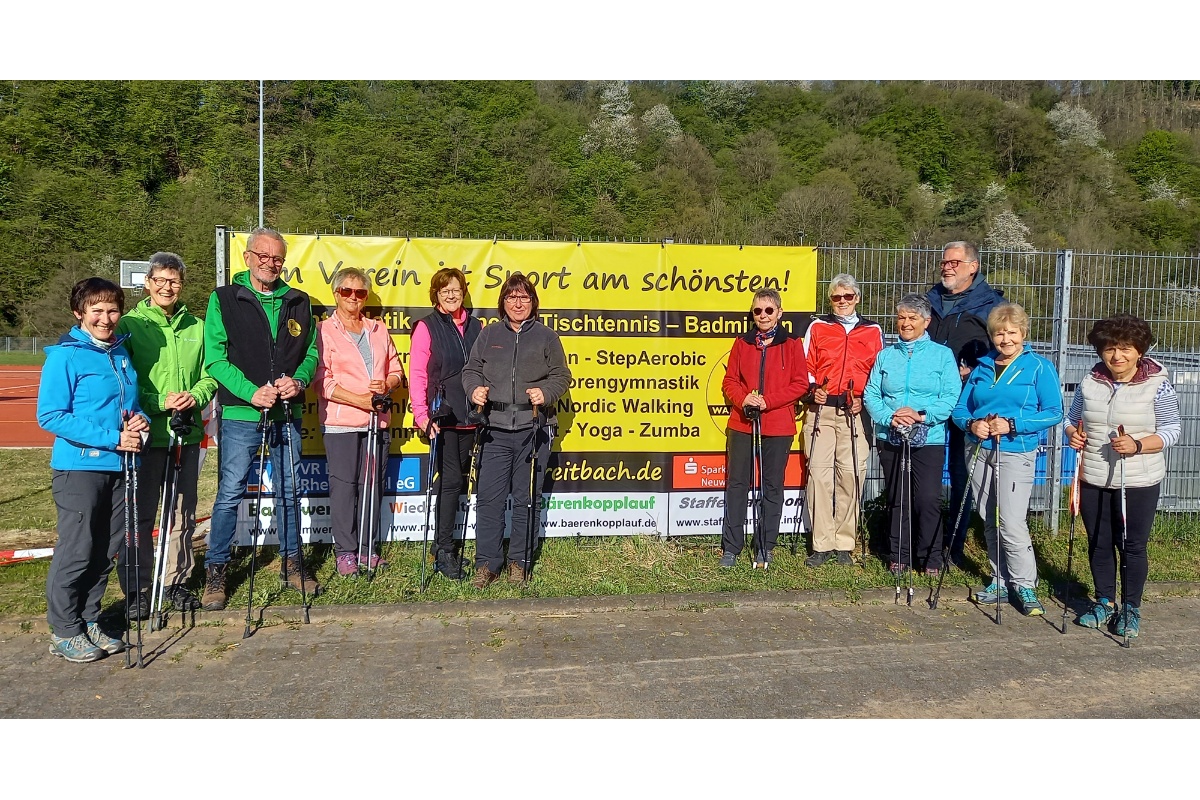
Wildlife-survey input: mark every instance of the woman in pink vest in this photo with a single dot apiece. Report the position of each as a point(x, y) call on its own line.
point(1125, 413)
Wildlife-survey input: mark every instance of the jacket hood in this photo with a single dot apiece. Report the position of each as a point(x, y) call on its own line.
point(77, 337)
point(977, 296)
point(243, 279)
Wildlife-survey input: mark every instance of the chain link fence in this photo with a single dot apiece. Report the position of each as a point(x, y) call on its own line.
point(26, 344)
point(1063, 292)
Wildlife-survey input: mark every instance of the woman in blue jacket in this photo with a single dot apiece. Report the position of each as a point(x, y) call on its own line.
point(88, 400)
point(909, 394)
point(1020, 388)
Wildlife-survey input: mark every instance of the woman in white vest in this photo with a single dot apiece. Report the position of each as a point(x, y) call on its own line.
point(1127, 392)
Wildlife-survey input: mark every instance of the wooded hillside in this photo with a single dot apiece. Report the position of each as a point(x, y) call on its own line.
point(92, 172)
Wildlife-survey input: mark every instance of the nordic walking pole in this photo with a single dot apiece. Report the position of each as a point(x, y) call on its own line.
point(257, 529)
point(1124, 586)
point(533, 511)
point(295, 509)
point(127, 460)
point(166, 517)
point(962, 506)
point(802, 504)
point(1071, 537)
point(903, 481)
point(857, 478)
point(433, 443)
point(474, 417)
point(367, 496)
point(378, 403)
point(908, 484)
point(1000, 581)
point(758, 545)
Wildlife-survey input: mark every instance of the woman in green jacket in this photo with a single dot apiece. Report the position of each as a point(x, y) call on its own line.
point(166, 344)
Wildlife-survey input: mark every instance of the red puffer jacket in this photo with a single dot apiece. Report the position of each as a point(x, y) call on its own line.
point(779, 373)
point(840, 356)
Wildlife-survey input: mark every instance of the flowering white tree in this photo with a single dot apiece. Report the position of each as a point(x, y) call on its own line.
point(995, 193)
point(1074, 123)
point(661, 122)
point(1008, 233)
point(612, 129)
point(725, 98)
point(1159, 189)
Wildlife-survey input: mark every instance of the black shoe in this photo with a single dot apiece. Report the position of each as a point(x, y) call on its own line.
point(183, 600)
point(818, 558)
point(449, 564)
point(844, 558)
point(137, 607)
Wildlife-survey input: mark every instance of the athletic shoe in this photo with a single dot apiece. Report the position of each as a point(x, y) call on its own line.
point(1128, 621)
point(845, 558)
point(1029, 606)
point(102, 640)
point(214, 588)
point(516, 573)
point(484, 577)
point(449, 564)
point(77, 649)
point(728, 560)
point(290, 573)
point(183, 600)
point(372, 562)
point(137, 607)
point(763, 559)
point(347, 565)
point(896, 568)
point(818, 558)
point(932, 572)
point(989, 594)
point(1099, 616)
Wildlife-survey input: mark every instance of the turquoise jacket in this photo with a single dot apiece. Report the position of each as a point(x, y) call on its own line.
point(1027, 392)
point(920, 374)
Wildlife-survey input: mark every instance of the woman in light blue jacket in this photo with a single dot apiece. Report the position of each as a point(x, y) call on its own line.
point(1020, 388)
point(910, 392)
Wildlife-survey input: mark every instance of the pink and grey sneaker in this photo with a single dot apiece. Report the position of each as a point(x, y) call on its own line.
point(373, 563)
point(347, 565)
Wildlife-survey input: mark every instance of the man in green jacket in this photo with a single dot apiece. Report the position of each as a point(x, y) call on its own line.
point(166, 343)
point(260, 344)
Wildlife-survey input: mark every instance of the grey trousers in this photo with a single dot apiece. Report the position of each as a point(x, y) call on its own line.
point(346, 454)
point(1016, 484)
point(91, 528)
point(151, 485)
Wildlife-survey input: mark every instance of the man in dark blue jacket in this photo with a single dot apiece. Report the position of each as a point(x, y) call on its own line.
point(961, 304)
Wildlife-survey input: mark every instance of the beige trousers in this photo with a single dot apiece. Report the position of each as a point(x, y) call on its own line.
point(833, 500)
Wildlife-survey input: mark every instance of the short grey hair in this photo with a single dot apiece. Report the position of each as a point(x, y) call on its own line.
point(847, 281)
point(164, 260)
point(969, 250)
point(344, 274)
point(915, 302)
point(270, 233)
point(768, 294)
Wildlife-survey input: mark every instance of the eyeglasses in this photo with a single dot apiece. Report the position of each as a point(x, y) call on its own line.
point(764, 312)
point(161, 282)
point(517, 298)
point(450, 292)
point(346, 292)
point(953, 263)
point(264, 258)
point(842, 298)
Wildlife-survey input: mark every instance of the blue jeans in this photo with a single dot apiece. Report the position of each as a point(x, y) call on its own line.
point(237, 448)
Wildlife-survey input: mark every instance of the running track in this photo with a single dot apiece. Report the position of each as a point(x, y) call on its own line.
point(18, 408)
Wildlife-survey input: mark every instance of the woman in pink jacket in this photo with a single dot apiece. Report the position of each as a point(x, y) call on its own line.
point(356, 361)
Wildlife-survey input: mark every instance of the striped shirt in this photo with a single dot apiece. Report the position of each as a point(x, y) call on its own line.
point(1167, 423)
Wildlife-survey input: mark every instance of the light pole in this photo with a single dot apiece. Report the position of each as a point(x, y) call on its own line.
point(343, 220)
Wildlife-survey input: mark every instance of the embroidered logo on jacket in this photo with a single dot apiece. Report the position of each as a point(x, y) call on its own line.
point(293, 328)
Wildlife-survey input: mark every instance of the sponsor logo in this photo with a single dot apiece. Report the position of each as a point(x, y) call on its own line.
point(698, 471)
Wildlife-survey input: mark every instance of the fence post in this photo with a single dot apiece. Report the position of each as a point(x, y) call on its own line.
point(1061, 338)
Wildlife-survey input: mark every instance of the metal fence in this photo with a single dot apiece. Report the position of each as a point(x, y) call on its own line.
point(26, 344)
point(1064, 292)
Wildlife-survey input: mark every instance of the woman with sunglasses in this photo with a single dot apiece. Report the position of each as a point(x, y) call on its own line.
point(841, 348)
point(357, 360)
point(765, 376)
point(441, 343)
point(517, 371)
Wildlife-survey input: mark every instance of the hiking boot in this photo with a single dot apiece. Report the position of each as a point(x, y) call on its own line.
point(183, 600)
point(102, 640)
point(728, 560)
point(845, 558)
point(290, 573)
point(1128, 621)
point(449, 564)
point(1028, 602)
point(1099, 616)
point(372, 562)
point(137, 607)
point(77, 649)
point(484, 577)
point(215, 594)
point(818, 558)
point(991, 594)
point(347, 565)
point(516, 573)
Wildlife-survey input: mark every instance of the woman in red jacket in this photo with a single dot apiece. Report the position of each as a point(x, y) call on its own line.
point(765, 377)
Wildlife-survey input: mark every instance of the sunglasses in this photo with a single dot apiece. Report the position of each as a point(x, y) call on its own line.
point(842, 298)
point(764, 312)
point(361, 294)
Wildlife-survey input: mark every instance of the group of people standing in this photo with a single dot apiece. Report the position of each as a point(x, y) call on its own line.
point(960, 385)
point(119, 384)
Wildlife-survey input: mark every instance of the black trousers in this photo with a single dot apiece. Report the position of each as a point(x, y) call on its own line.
point(960, 484)
point(504, 473)
point(922, 506)
point(739, 471)
point(346, 455)
point(1101, 513)
point(453, 462)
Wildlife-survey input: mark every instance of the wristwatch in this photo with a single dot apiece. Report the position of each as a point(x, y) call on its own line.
point(301, 384)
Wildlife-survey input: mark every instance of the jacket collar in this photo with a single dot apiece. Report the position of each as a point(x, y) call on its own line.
point(1146, 367)
point(974, 297)
point(781, 336)
point(76, 337)
point(833, 320)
